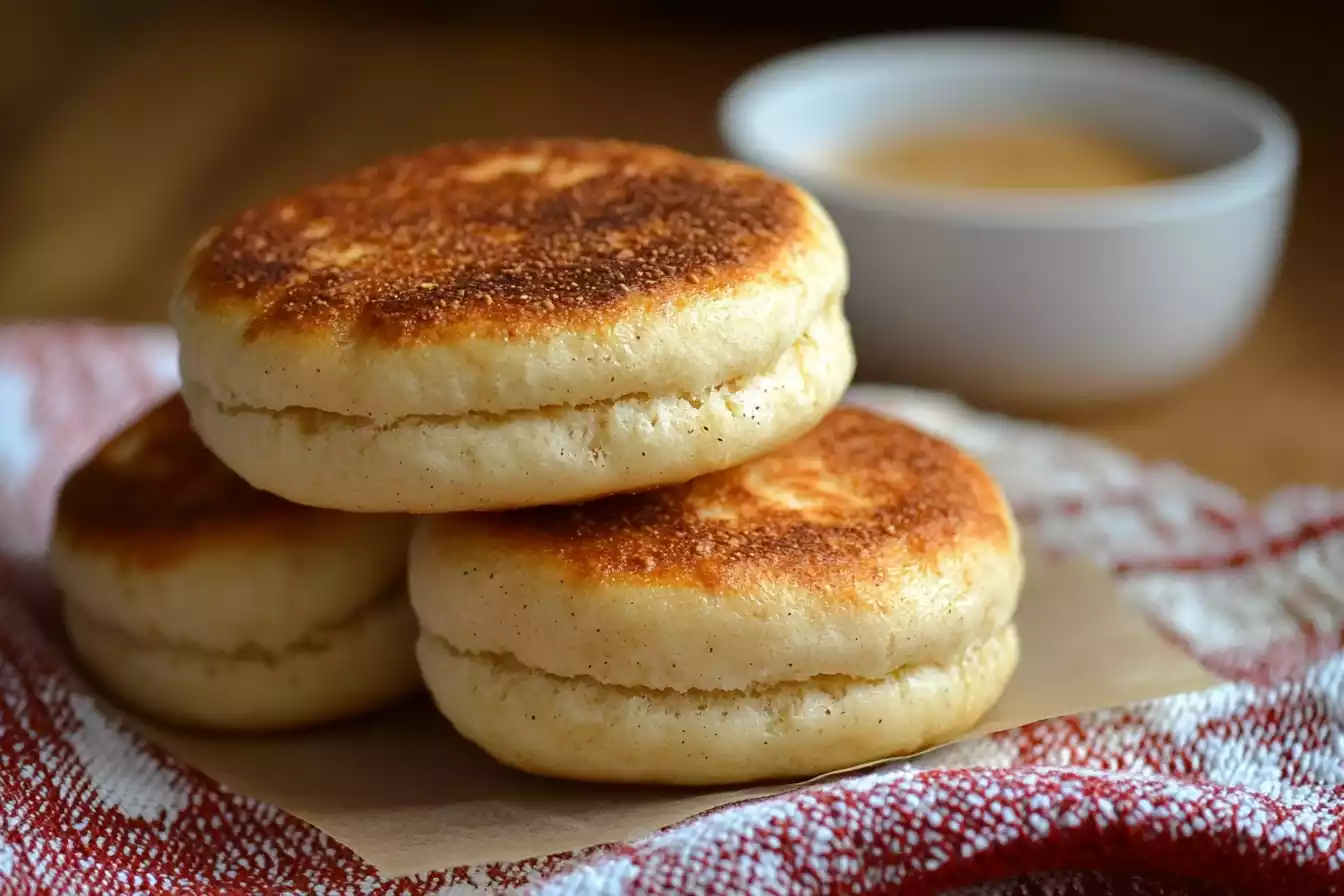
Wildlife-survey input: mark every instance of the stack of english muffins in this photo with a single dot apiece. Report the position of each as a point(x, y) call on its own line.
point(646, 545)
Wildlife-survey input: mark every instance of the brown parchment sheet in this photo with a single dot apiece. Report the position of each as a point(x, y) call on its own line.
point(403, 791)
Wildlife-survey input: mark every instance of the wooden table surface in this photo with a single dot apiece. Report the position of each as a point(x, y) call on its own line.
point(124, 148)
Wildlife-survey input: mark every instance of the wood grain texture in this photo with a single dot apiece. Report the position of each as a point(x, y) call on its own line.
point(127, 149)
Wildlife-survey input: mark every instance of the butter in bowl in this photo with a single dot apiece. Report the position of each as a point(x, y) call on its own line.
point(1031, 220)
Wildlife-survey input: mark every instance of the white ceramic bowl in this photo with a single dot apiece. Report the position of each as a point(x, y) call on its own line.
point(1034, 297)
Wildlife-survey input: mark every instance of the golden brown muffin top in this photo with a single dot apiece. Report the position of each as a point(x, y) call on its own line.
point(836, 504)
point(155, 487)
point(488, 238)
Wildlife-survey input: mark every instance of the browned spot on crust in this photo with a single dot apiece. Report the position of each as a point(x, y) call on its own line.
point(499, 237)
point(155, 488)
point(827, 512)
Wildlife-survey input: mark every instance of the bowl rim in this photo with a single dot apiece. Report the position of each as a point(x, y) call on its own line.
point(1266, 167)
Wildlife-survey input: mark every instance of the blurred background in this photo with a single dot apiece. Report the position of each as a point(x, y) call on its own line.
point(130, 125)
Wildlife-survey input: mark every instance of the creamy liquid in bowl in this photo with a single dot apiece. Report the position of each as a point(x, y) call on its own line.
point(1015, 156)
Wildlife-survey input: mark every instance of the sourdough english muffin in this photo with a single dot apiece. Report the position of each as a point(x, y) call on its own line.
point(845, 598)
point(494, 325)
point(202, 601)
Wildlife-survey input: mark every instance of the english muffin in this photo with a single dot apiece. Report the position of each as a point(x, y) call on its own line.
point(496, 325)
point(200, 600)
point(845, 598)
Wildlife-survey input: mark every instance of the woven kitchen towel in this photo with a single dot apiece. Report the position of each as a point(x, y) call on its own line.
point(1238, 789)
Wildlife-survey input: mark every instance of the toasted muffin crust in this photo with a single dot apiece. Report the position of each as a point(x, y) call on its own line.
point(515, 237)
point(154, 490)
point(822, 513)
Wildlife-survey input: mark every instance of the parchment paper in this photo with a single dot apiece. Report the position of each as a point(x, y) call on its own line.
point(407, 794)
